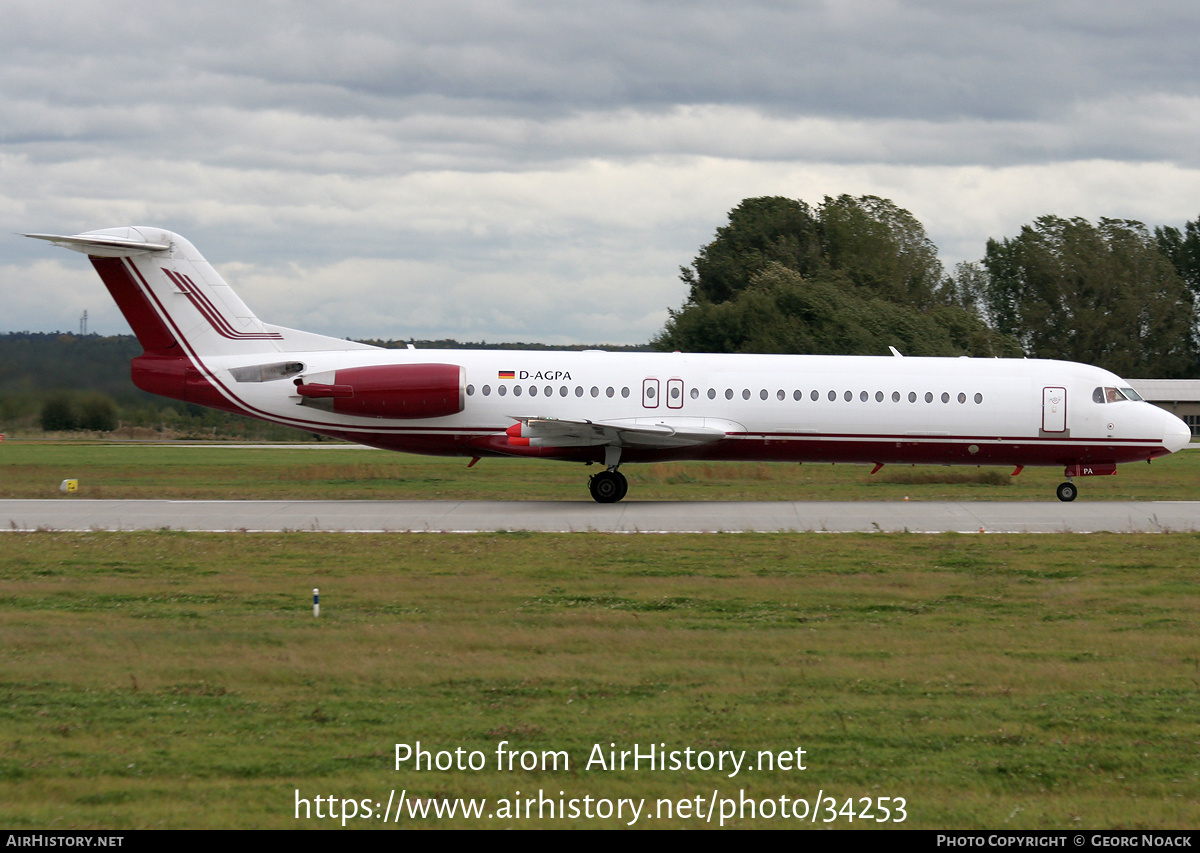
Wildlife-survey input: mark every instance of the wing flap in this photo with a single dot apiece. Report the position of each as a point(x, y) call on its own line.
point(660, 433)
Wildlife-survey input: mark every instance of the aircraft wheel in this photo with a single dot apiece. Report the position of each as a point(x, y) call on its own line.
point(608, 487)
point(1067, 492)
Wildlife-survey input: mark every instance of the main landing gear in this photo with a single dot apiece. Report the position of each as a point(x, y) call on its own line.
point(610, 485)
point(1067, 491)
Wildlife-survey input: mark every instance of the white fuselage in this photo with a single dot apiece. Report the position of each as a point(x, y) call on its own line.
point(835, 408)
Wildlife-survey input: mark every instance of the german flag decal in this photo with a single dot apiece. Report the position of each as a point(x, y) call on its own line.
point(507, 374)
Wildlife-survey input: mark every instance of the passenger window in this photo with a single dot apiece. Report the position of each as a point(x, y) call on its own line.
point(712, 393)
point(470, 390)
point(728, 393)
point(912, 396)
point(895, 396)
point(487, 389)
point(814, 396)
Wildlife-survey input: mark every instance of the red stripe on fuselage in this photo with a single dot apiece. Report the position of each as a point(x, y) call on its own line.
point(816, 449)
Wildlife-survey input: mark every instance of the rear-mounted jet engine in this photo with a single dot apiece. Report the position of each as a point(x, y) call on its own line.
point(389, 391)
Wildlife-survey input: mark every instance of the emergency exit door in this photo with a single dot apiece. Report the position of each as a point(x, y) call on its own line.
point(650, 393)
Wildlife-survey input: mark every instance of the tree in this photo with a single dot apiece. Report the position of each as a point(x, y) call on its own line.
point(782, 312)
point(967, 289)
point(761, 231)
point(97, 413)
point(881, 247)
point(1183, 250)
point(1102, 294)
point(58, 415)
point(853, 277)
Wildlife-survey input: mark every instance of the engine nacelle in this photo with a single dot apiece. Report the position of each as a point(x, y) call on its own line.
point(390, 391)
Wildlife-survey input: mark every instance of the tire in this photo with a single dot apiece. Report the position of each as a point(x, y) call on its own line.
point(606, 487)
point(1067, 492)
point(624, 485)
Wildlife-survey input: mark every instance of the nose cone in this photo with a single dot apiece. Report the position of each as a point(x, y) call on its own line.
point(1176, 434)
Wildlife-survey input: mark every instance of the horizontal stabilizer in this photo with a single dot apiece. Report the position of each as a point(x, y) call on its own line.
point(103, 245)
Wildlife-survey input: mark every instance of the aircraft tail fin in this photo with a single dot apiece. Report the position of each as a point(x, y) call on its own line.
point(174, 299)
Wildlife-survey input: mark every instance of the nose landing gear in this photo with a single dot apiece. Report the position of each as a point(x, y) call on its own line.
point(1067, 491)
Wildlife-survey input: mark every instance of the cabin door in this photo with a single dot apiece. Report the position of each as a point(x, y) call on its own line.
point(1054, 410)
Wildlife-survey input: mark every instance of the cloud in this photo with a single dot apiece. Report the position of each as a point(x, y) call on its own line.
point(567, 156)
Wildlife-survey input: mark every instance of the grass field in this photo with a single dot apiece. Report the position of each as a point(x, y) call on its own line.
point(180, 680)
point(35, 469)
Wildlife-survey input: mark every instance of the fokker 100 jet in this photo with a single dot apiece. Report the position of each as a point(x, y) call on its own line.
point(203, 345)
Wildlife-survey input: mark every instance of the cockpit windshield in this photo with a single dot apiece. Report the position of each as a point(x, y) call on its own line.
point(1114, 395)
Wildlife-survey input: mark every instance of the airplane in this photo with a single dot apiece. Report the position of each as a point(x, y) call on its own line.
point(203, 345)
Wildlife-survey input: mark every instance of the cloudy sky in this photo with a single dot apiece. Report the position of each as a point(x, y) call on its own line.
point(538, 171)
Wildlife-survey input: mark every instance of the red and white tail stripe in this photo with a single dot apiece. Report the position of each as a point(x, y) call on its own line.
point(211, 313)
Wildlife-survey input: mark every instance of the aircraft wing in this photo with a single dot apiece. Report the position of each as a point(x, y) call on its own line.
point(634, 432)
